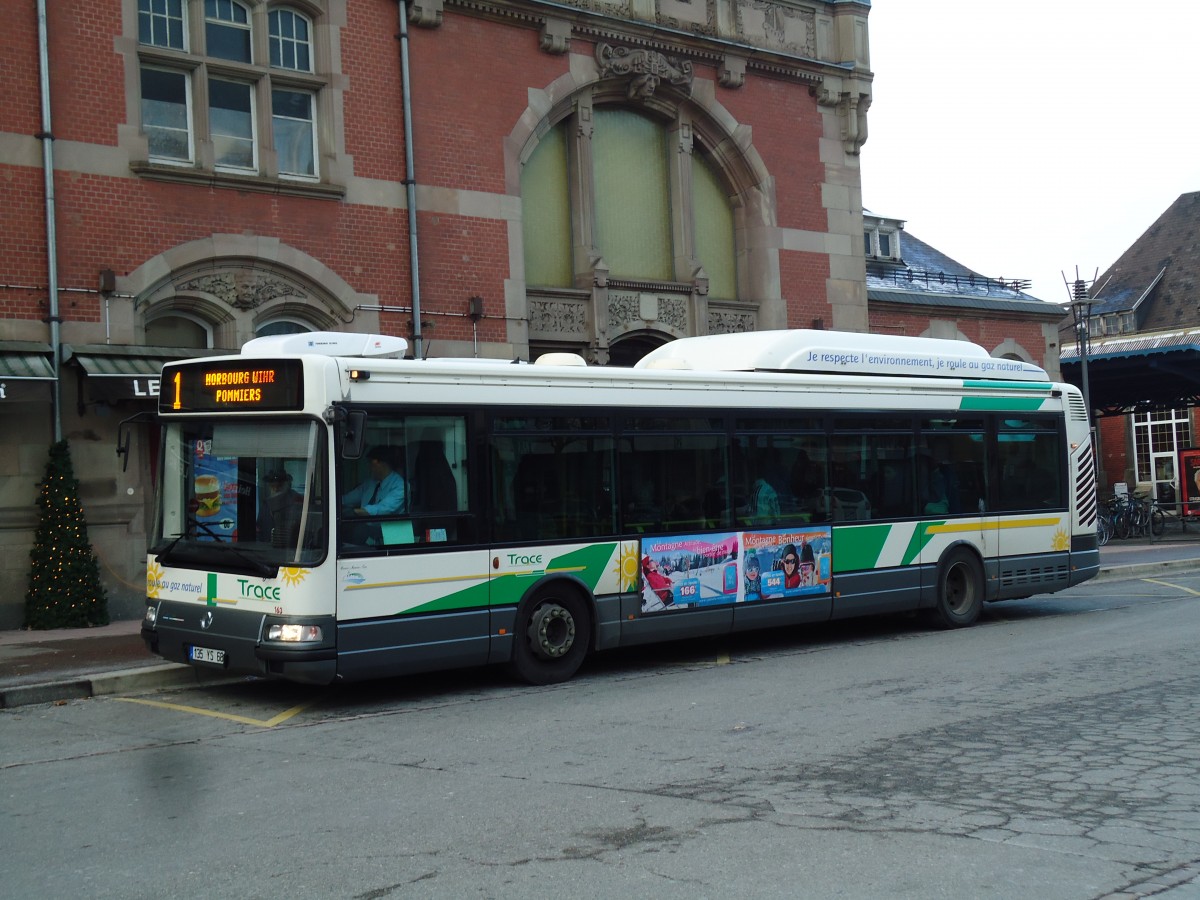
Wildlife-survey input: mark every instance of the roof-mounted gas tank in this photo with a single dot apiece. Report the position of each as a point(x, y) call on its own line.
point(837, 352)
point(327, 343)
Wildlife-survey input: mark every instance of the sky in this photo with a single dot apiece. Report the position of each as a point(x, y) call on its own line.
point(1028, 138)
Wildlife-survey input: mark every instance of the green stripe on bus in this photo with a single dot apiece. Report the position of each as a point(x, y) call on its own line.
point(586, 563)
point(858, 548)
point(1010, 385)
point(920, 537)
point(1012, 403)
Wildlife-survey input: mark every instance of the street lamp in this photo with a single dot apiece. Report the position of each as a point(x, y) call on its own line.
point(1081, 311)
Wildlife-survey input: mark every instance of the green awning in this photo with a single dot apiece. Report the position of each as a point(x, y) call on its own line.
point(25, 361)
point(125, 360)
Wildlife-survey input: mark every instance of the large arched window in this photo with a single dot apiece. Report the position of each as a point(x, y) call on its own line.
point(619, 189)
point(178, 331)
point(632, 195)
point(282, 326)
point(546, 222)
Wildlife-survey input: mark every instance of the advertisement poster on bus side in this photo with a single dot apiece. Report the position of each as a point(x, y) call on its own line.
point(790, 562)
point(687, 571)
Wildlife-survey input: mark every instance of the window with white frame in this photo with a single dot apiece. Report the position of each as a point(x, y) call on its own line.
point(881, 241)
point(1158, 432)
point(205, 65)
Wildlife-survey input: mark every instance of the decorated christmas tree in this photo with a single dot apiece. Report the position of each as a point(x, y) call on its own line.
point(64, 578)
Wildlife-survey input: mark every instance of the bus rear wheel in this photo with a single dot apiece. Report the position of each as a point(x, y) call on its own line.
point(551, 638)
point(959, 590)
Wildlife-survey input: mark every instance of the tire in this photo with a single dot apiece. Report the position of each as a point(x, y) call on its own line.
point(552, 635)
point(1121, 523)
point(1103, 530)
point(1158, 521)
point(959, 590)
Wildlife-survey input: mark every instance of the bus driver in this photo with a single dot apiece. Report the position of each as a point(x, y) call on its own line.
point(383, 492)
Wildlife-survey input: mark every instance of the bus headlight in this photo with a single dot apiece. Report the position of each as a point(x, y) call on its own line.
point(294, 634)
point(151, 615)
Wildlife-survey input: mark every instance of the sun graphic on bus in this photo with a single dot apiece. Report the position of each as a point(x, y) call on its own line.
point(154, 575)
point(1060, 541)
point(627, 567)
point(292, 576)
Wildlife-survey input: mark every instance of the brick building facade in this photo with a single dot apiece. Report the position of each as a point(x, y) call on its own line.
point(597, 176)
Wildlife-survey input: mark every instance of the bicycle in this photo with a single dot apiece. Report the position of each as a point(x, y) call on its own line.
point(1156, 517)
point(1104, 526)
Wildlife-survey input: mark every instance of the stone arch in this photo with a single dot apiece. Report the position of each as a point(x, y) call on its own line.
point(727, 140)
point(697, 119)
point(633, 345)
point(235, 282)
point(1010, 349)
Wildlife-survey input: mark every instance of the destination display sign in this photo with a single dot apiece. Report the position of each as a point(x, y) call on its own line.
point(239, 386)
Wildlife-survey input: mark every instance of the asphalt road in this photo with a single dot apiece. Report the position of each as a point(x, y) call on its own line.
point(1048, 752)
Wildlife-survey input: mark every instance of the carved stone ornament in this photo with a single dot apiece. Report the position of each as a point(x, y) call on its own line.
point(644, 68)
point(243, 290)
point(726, 322)
point(778, 26)
point(555, 36)
point(557, 317)
point(425, 13)
point(623, 308)
point(673, 311)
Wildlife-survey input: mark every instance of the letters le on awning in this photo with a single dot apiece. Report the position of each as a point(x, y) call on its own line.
point(123, 372)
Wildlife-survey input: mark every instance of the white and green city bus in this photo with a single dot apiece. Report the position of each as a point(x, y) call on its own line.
point(725, 483)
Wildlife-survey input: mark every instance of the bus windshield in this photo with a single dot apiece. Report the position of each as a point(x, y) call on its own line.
point(245, 496)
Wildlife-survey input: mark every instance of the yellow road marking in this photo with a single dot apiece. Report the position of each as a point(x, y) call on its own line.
point(723, 658)
point(1178, 587)
point(245, 720)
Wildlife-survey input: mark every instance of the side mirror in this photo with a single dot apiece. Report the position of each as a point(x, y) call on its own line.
point(354, 434)
point(125, 432)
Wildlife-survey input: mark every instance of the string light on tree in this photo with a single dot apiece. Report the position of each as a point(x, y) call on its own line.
point(64, 575)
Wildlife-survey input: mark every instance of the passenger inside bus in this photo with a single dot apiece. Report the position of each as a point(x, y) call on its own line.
point(279, 513)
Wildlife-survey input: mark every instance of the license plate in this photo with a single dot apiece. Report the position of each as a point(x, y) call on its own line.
point(205, 655)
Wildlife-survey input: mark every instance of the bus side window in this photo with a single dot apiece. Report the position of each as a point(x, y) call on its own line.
point(432, 482)
point(1029, 465)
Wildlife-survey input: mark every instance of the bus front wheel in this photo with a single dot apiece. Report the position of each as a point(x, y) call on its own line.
point(551, 638)
point(959, 590)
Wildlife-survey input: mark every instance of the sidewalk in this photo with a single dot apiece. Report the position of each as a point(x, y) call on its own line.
point(69, 664)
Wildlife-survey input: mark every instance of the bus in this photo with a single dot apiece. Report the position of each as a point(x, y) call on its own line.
point(552, 509)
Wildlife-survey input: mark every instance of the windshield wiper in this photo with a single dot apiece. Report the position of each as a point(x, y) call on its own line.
point(254, 564)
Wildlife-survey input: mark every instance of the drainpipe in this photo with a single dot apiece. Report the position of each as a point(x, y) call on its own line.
point(410, 181)
point(47, 139)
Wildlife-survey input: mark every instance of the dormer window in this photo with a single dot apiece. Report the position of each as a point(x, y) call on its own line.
point(881, 243)
point(881, 238)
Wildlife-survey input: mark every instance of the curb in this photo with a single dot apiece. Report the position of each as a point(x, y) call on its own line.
point(144, 678)
point(1141, 570)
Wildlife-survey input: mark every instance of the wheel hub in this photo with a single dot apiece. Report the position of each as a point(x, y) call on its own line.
point(551, 631)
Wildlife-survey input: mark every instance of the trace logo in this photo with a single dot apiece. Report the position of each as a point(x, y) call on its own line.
point(259, 591)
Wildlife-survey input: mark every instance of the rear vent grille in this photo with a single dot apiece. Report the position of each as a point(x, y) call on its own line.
point(1085, 487)
point(1078, 407)
point(1049, 574)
